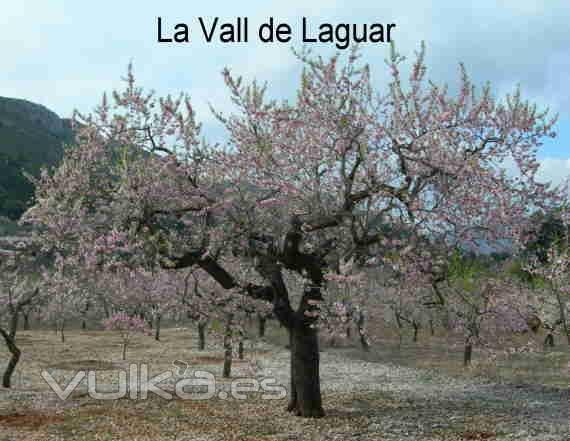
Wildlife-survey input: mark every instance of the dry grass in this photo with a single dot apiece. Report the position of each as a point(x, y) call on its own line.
point(442, 353)
point(550, 367)
point(31, 412)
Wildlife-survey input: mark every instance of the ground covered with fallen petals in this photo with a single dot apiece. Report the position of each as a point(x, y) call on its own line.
point(364, 400)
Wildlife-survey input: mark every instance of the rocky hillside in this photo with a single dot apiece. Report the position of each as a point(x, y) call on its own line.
point(31, 136)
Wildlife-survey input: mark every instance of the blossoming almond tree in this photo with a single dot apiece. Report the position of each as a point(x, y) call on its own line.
point(298, 182)
point(148, 294)
point(19, 288)
point(485, 309)
point(65, 295)
point(554, 270)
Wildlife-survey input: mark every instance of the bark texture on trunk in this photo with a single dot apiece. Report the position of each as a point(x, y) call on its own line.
point(305, 399)
point(305, 394)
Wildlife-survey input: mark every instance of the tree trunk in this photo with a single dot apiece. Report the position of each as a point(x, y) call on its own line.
point(61, 331)
point(262, 322)
point(26, 321)
point(84, 312)
point(416, 329)
point(124, 352)
point(202, 335)
point(157, 330)
point(362, 332)
point(15, 357)
point(305, 391)
point(240, 350)
point(14, 317)
point(562, 307)
point(431, 330)
point(445, 318)
point(549, 340)
point(228, 347)
point(467, 354)
point(106, 308)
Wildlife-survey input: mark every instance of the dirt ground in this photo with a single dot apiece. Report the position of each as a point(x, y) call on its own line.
point(396, 392)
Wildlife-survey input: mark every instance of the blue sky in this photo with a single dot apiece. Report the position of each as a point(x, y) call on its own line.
point(64, 53)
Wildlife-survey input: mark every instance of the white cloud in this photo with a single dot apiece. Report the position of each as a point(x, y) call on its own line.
point(554, 170)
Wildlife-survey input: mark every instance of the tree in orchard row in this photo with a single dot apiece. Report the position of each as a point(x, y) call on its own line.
point(405, 304)
point(485, 307)
point(196, 300)
point(407, 288)
point(206, 302)
point(147, 294)
point(19, 288)
point(345, 307)
point(480, 302)
point(552, 266)
point(127, 326)
point(298, 183)
point(65, 294)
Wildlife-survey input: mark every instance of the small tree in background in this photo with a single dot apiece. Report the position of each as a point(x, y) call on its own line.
point(127, 326)
point(484, 306)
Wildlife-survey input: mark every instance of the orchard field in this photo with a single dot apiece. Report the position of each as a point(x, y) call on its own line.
point(395, 391)
point(378, 261)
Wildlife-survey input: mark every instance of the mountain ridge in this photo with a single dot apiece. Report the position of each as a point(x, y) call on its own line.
point(31, 137)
